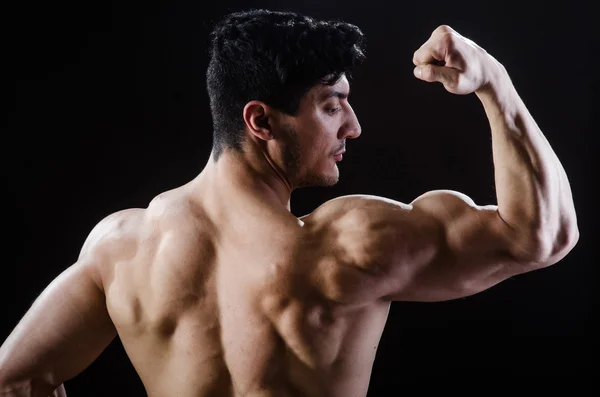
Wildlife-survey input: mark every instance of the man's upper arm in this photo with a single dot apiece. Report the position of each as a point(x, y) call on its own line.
point(442, 246)
point(456, 249)
point(65, 329)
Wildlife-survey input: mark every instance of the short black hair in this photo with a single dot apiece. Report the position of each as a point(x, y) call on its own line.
point(275, 57)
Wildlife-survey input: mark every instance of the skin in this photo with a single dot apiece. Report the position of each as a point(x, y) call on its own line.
point(216, 289)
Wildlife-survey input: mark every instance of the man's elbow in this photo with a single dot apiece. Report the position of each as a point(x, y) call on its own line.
point(13, 388)
point(551, 248)
point(568, 238)
point(27, 388)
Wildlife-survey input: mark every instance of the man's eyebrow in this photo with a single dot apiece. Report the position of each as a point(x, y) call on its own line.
point(334, 93)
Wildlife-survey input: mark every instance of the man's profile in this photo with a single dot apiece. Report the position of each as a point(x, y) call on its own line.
point(217, 289)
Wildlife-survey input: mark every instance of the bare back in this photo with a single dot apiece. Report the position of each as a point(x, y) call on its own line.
point(230, 304)
point(216, 294)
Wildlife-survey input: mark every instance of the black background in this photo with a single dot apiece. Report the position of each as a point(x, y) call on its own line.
point(108, 108)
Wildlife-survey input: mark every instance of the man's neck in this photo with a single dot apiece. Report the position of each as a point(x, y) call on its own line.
point(256, 175)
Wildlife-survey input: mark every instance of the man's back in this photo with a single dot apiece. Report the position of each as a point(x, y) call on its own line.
point(218, 303)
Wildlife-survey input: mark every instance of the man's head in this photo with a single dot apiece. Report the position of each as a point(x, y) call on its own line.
point(279, 80)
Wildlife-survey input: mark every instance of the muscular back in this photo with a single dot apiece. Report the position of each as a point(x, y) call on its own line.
point(222, 304)
point(219, 294)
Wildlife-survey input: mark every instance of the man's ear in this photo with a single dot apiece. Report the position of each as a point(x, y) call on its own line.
point(256, 116)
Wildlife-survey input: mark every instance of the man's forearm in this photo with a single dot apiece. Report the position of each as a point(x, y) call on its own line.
point(533, 192)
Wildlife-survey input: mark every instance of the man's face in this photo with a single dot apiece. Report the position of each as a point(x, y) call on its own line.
point(311, 139)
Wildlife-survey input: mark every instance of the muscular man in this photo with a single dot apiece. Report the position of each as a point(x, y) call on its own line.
point(216, 289)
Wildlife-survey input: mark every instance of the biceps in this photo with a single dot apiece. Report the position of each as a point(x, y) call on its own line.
point(66, 328)
point(463, 250)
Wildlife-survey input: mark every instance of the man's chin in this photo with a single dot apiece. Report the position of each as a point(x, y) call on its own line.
point(321, 180)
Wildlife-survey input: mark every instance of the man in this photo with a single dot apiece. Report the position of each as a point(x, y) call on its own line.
point(216, 289)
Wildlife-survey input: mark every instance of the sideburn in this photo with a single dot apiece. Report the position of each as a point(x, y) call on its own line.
point(291, 151)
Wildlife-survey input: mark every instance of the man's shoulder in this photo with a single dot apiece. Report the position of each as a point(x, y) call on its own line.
point(165, 213)
point(115, 227)
point(123, 234)
point(346, 231)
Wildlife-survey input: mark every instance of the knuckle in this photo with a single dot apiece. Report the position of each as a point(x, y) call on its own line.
point(448, 39)
point(428, 72)
point(444, 29)
point(453, 81)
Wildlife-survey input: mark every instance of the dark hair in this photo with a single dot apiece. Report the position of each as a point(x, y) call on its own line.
point(274, 57)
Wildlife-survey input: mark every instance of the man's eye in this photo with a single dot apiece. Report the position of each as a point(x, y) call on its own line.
point(334, 110)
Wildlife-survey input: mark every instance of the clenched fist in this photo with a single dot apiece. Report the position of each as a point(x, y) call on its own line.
point(455, 61)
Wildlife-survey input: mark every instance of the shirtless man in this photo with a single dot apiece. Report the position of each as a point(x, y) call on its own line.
point(216, 289)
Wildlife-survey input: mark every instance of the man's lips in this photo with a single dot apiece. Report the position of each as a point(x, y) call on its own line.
point(339, 155)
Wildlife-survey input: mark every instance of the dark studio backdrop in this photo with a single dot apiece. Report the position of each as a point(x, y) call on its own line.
point(109, 108)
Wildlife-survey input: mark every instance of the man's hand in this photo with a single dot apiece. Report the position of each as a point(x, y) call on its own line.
point(455, 61)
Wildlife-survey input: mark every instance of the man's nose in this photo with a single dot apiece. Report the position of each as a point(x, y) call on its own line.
point(351, 128)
